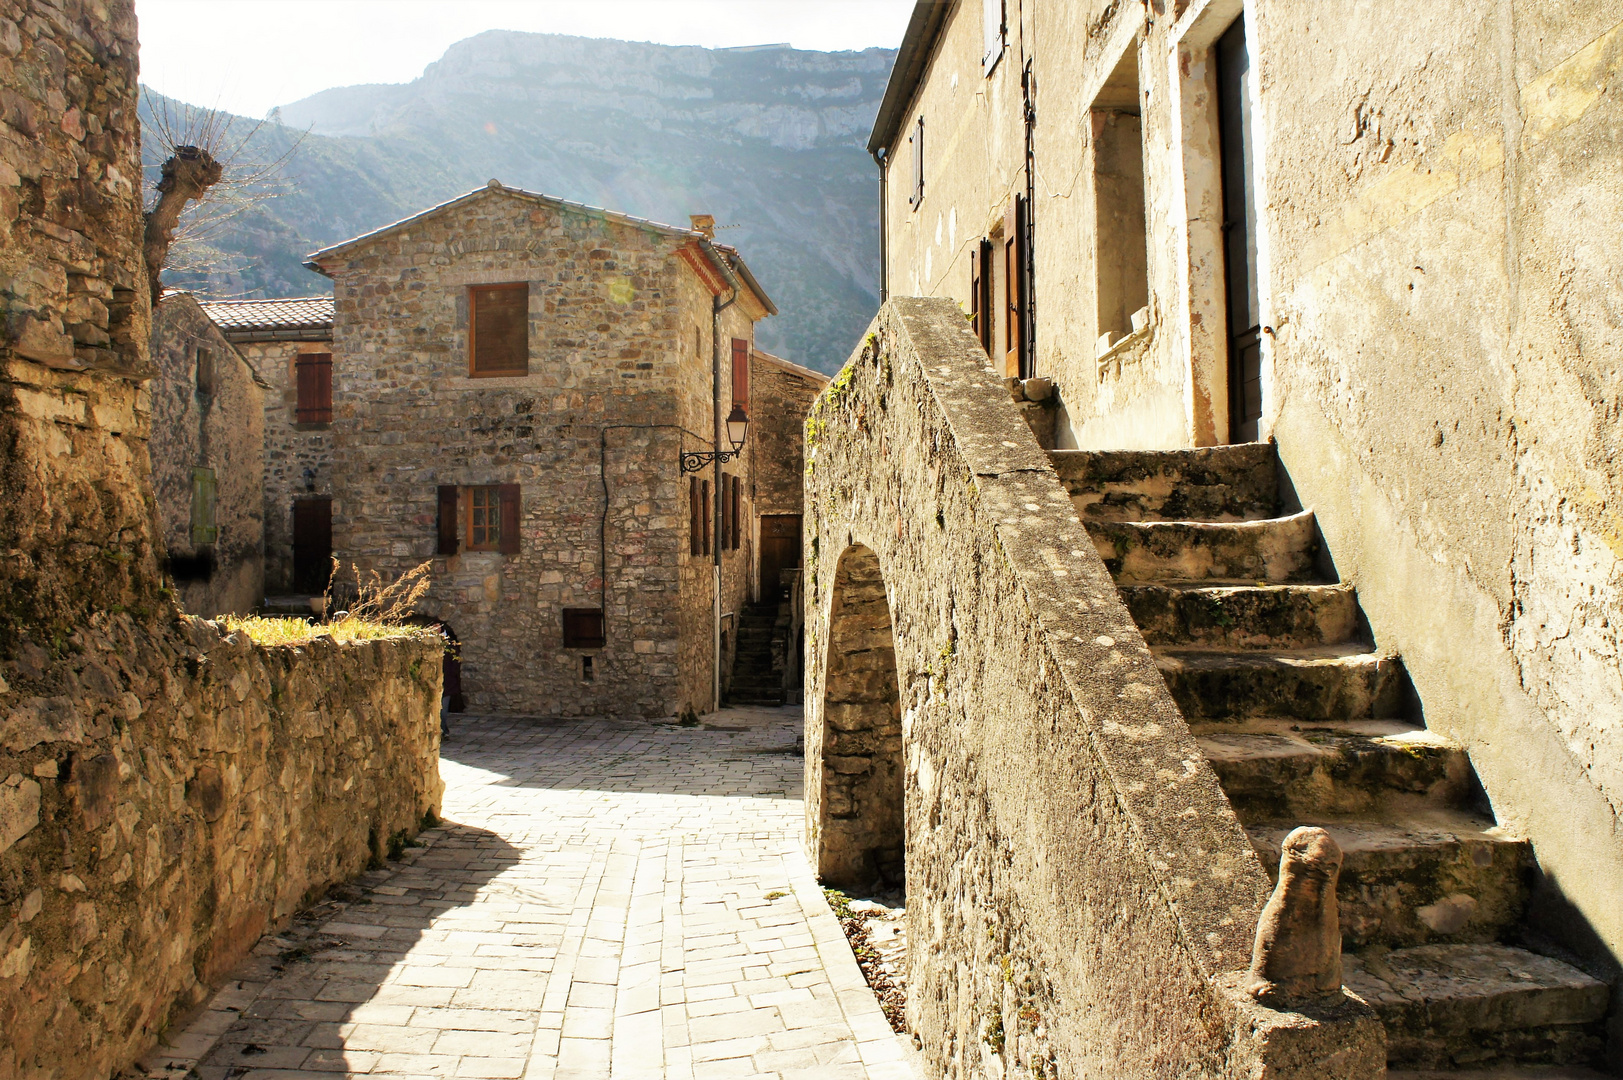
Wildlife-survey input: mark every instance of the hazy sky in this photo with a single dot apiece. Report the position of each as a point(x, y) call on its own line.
point(248, 55)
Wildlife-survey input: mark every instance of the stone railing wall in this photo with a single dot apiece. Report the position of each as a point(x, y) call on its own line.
point(166, 796)
point(1080, 897)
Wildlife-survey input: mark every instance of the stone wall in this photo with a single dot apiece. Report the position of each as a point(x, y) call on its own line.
point(223, 430)
point(619, 383)
point(781, 393)
point(170, 794)
point(76, 519)
point(1079, 893)
point(298, 457)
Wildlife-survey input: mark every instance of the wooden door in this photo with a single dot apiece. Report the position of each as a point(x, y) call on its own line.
point(1234, 76)
point(780, 550)
point(312, 544)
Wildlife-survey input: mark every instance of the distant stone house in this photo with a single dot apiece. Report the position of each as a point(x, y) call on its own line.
point(289, 344)
point(515, 382)
point(207, 450)
point(781, 393)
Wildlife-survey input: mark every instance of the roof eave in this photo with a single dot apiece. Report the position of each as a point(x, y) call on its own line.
point(923, 28)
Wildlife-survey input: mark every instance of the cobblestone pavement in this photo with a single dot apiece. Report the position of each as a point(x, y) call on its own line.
point(605, 900)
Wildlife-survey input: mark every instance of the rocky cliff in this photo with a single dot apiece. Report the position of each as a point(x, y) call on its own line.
point(769, 140)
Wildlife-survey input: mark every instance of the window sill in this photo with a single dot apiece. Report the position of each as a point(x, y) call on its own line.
point(311, 425)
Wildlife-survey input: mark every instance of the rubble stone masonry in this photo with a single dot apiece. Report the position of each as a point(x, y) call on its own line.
point(166, 791)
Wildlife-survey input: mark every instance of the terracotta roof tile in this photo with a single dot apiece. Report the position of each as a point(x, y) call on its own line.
point(295, 313)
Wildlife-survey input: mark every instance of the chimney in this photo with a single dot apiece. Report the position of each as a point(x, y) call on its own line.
point(705, 224)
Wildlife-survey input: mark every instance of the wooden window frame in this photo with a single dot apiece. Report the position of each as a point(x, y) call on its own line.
point(500, 501)
point(316, 406)
point(474, 293)
point(583, 628)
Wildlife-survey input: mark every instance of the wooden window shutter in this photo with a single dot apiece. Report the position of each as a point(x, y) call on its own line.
point(709, 516)
point(314, 377)
point(980, 290)
point(205, 527)
point(507, 544)
point(447, 504)
point(499, 329)
point(1018, 316)
point(741, 373)
point(726, 497)
point(583, 628)
point(695, 529)
point(737, 513)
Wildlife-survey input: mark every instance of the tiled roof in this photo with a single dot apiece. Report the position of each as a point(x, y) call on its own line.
point(283, 318)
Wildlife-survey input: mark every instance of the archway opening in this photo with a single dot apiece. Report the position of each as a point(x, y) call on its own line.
point(863, 839)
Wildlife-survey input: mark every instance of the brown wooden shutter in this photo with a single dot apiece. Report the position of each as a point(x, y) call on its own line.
point(583, 628)
point(917, 141)
point(741, 373)
point(709, 516)
point(447, 503)
point(1018, 314)
point(314, 378)
point(695, 528)
point(499, 323)
point(507, 543)
point(726, 496)
point(980, 293)
point(735, 500)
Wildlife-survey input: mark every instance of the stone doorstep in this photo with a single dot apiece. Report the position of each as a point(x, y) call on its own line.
point(1468, 989)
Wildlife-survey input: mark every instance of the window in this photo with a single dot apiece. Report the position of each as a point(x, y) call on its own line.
point(586, 673)
point(995, 34)
point(733, 499)
point(1017, 293)
point(499, 330)
point(205, 373)
point(583, 629)
point(205, 528)
point(695, 518)
point(489, 518)
point(313, 376)
point(916, 144)
point(741, 373)
point(704, 500)
point(980, 294)
point(1120, 243)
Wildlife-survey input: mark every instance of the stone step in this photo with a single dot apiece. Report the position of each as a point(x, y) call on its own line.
point(1475, 1006)
point(1215, 483)
point(1273, 551)
point(1282, 769)
point(1443, 876)
point(1244, 616)
point(1507, 1072)
point(1333, 683)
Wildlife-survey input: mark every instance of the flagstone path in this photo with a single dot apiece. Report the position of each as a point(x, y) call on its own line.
point(605, 900)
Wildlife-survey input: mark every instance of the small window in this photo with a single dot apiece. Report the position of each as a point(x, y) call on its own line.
point(583, 629)
point(205, 527)
point(995, 34)
point(205, 373)
point(313, 374)
point(741, 373)
point(586, 673)
point(484, 519)
point(499, 330)
point(490, 518)
point(916, 141)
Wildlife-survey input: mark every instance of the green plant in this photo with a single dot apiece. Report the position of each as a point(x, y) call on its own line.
point(775, 894)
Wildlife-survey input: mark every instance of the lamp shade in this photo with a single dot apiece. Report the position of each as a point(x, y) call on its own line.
point(737, 427)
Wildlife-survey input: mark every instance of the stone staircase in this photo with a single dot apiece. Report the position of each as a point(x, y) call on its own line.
point(1305, 723)
point(756, 679)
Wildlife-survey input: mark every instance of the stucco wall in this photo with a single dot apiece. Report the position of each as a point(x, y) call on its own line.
point(1078, 889)
point(298, 457)
point(617, 387)
point(224, 431)
point(170, 795)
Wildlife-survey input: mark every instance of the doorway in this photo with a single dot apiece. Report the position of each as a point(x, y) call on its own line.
point(1237, 136)
point(780, 551)
point(312, 545)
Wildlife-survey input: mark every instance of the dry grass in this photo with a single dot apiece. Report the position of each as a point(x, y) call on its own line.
point(373, 611)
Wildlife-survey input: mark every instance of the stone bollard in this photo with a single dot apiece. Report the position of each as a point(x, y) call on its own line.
point(1297, 954)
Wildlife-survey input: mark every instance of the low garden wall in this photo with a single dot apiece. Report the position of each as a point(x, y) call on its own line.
point(170, 792)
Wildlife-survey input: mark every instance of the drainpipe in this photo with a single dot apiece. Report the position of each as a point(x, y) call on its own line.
point(881, 157)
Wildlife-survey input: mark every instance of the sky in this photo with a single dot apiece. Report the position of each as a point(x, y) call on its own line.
point(247, 56)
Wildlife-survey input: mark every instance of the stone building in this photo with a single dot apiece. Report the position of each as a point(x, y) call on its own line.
point(516, 381)
point(289, 344)
point(1310, 314)
point(781, 393)
point(207, 450)
point(168, 791)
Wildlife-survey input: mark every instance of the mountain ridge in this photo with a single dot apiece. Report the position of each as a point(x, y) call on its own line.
point(768, 140)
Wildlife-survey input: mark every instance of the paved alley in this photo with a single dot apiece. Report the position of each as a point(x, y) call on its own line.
point(604, 900)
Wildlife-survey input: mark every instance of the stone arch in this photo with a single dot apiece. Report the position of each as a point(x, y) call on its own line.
point(861, 828)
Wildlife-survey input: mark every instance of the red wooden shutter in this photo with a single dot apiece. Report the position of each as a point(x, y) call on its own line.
point(507, 543)
point(741, 373)
point(709, 517)
point(313, 375)
point(447, 503)
point(500, 329)
point(695, 528)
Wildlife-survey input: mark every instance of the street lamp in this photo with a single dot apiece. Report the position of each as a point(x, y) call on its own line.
point(738, 423)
